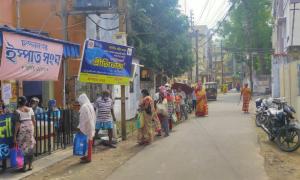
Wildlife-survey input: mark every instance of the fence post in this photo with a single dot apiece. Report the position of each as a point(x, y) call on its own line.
point(49, 130)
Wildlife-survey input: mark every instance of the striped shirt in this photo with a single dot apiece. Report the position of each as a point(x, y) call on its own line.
point(103, 109)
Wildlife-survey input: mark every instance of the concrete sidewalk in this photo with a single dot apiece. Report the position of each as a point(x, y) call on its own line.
point(39, 164)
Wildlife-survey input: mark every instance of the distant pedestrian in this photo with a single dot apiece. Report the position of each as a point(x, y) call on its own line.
point(105, 115)
point(87, 118)
point(24, 131)
point(147, 110)
point(246, 95)
point(238, 87)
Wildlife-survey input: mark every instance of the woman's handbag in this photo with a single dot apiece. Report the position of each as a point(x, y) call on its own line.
point(16, 158)
point(140, 121)
point(80, 144)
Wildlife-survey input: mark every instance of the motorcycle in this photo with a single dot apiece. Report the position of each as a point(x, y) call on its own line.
point(280, 125)
point(262, 105)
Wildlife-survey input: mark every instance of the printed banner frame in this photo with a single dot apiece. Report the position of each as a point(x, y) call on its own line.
point(105, 63)
point(31, 59)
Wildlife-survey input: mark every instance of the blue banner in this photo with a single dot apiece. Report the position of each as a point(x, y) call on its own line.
point(105, 63)
point(6, 135)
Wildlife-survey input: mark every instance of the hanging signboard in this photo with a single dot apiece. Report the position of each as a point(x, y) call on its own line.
point(6, 135)
point(25, 58)
point(105, 63)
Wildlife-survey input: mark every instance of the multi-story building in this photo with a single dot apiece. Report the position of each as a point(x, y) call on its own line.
point(203, 47)
point(286, 44)
point(97, 21)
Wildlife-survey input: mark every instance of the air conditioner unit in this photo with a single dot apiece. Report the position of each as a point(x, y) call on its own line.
point(94, 4)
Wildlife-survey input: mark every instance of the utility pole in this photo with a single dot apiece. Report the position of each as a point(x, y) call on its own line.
point(193, 33)
point(222, 61)
point(293, 23)
point(197, 55)
point(122, 4)
point(64, 19)
point(19, 84)
point(251, 72)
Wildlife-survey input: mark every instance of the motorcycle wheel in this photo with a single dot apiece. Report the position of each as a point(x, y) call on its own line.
point(288, 140)
point(258, 120)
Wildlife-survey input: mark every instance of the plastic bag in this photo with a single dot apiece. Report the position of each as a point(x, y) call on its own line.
point(16, 158)
point(162, 108)
point(80, 144)
point(140, 121)
point(174, 118)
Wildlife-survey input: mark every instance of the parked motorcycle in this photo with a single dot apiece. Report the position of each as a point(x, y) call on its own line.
point(276, 118)
point(262, 106)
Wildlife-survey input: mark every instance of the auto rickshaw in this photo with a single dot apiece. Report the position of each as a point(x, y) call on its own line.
point(211, 90)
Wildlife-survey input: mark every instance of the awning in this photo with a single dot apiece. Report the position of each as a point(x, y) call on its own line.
point(71, 50)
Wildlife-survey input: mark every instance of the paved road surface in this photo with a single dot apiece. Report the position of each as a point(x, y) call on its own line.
point(222, 146)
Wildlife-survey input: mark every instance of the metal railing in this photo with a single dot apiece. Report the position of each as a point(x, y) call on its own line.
point(54, 130)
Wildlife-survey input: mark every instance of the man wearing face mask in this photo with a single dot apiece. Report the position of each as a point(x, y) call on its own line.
point(34, 103)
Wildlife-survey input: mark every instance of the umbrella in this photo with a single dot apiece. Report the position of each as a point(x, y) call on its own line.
point(184, 87)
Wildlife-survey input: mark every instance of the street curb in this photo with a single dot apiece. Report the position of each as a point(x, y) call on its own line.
point(40, 164)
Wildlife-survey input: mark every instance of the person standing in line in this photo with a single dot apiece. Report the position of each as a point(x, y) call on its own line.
point(34, 103)
point(183, 96)
point(170, 100)
point(162, 110)
point(145, 134)
point(87, 118)
point(246, 95)
point(24, 132)
point(177, 106)
point(105, 115)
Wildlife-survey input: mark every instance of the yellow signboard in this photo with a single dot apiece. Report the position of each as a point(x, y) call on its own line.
point(103, 79)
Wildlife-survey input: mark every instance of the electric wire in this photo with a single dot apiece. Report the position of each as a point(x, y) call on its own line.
point(106, 29)
point(203, 10)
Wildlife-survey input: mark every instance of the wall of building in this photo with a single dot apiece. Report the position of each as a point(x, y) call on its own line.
point(289, 84)
point(7, 13)
point(43, 15)
point(289, 15)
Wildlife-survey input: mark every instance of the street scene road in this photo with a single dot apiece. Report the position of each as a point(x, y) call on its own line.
point(220, 146)
point(148, 89)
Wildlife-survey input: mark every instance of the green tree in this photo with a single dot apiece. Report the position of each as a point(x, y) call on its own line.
point(160, 34)
point(249, 30)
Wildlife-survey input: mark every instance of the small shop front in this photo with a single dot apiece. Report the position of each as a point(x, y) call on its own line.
point(27, 61)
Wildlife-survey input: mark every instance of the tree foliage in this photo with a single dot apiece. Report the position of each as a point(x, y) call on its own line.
point(159, 32)
point(249, 30)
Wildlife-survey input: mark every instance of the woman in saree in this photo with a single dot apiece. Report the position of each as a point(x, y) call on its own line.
point(201, 107)
point(246, 95)
point(147, 113)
